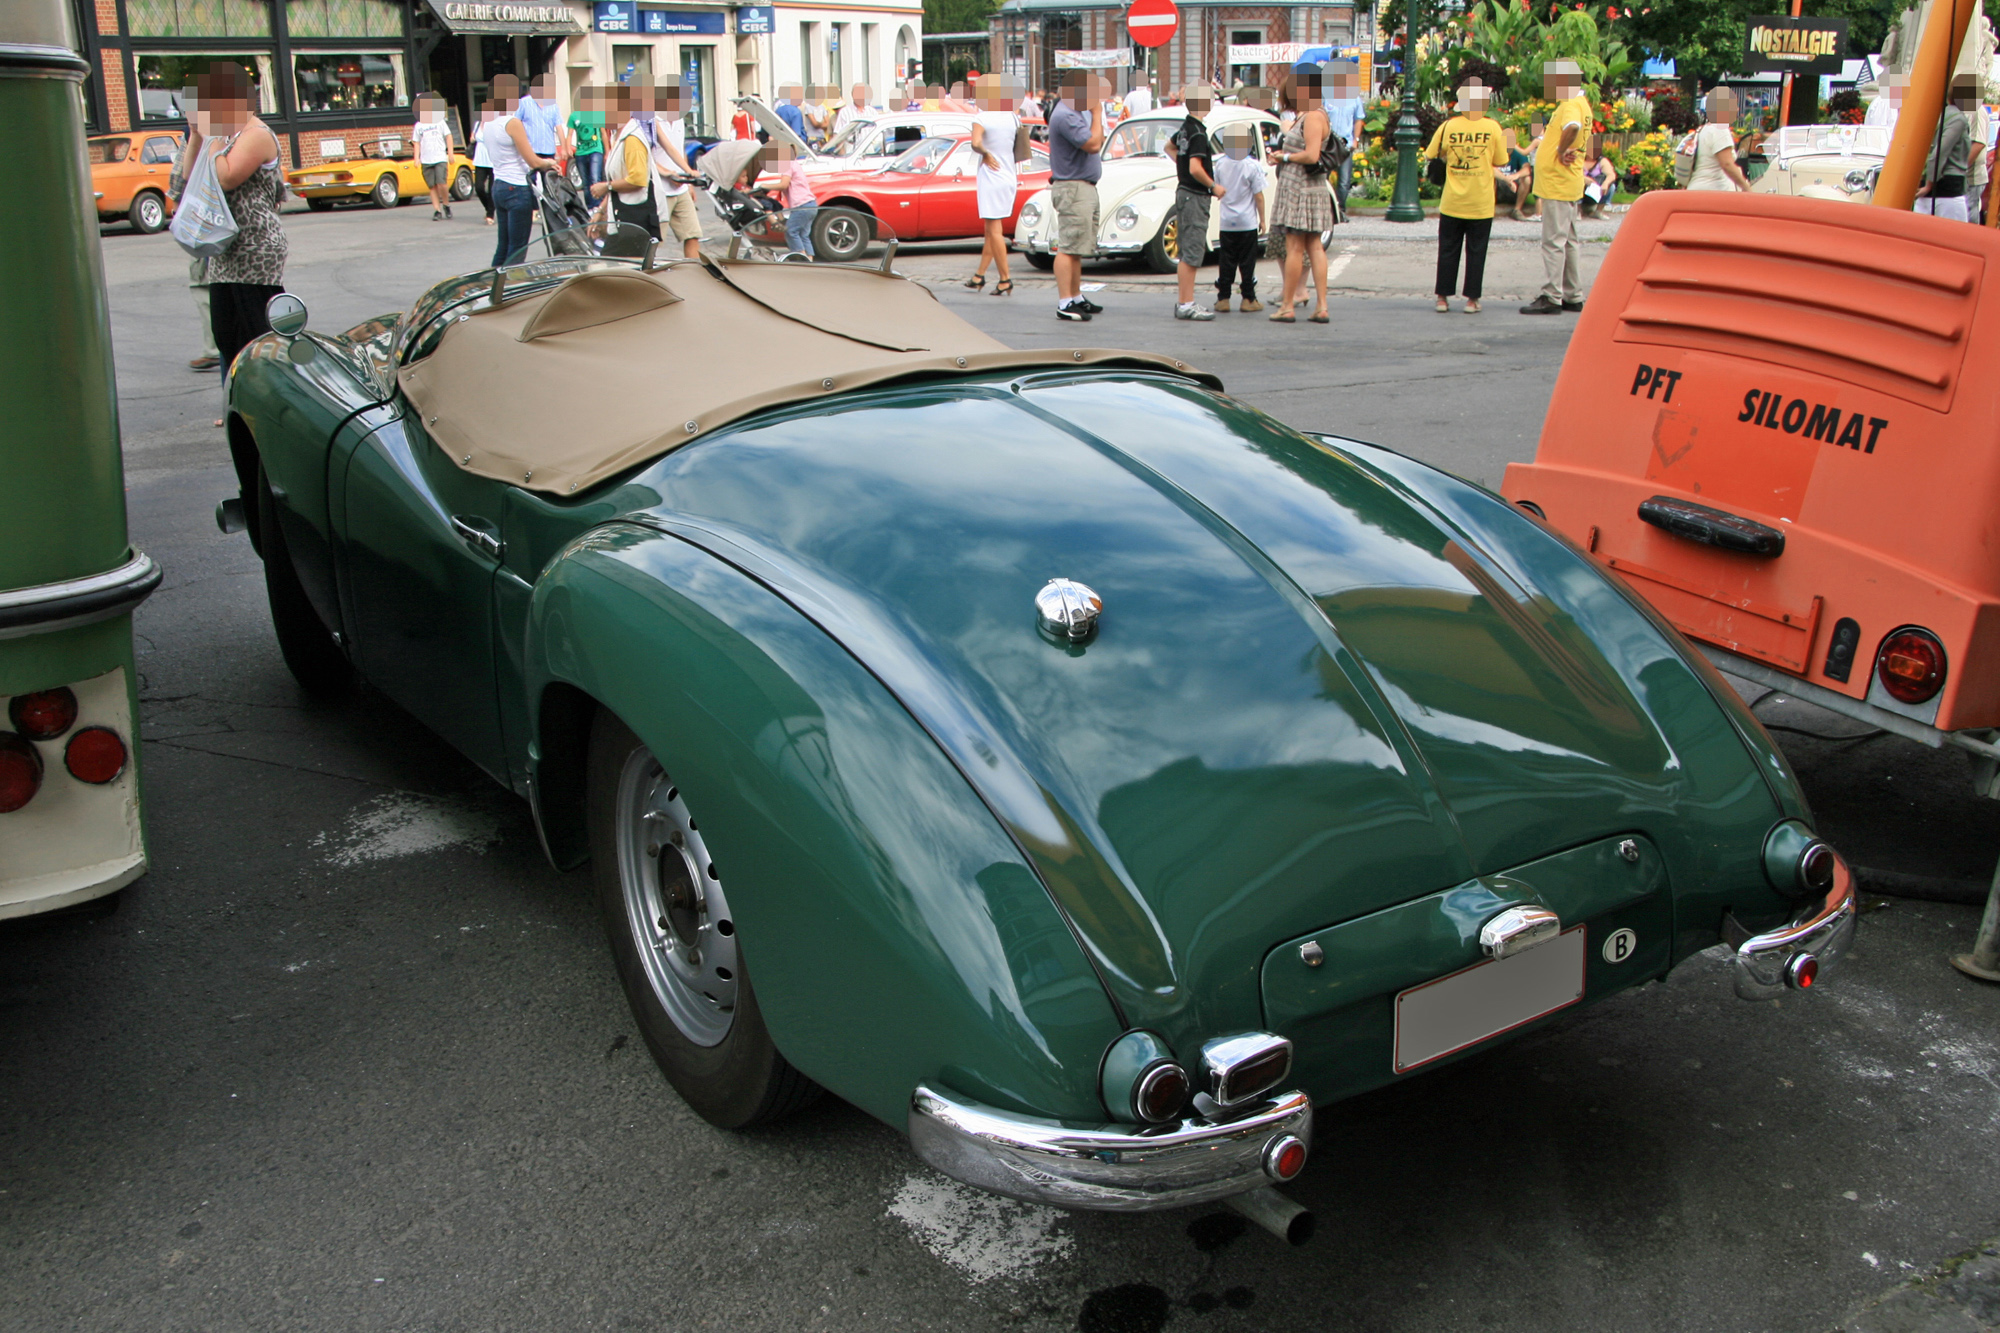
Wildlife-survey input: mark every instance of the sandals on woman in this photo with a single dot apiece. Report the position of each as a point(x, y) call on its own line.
point(976, 281)
point(1317, 318)
point(1284, 319)
point(1004, 287)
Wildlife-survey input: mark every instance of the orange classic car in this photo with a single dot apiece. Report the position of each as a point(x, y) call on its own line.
point(128, 174)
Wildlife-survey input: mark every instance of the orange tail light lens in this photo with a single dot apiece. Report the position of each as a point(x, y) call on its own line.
point(1911, 666)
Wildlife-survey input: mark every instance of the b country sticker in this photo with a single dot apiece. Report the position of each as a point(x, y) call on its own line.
point(1857, 430)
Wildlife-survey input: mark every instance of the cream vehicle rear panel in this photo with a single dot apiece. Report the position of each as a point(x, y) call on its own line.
point(75, 840)
point(1836, 162)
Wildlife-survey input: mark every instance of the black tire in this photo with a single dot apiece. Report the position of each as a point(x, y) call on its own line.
point(319, 205)
point(740, 1080)
point(1162, 253)
point(840, 235)
point(386, 194)
point(461, 185)
point(1040, 261)
point(311, 654)
point(149, 213)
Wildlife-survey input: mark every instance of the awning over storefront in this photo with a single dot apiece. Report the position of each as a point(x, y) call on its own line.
point(504, 16)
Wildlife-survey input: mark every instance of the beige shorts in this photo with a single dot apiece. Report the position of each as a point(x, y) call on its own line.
point(1076, 216)
point(678, 216)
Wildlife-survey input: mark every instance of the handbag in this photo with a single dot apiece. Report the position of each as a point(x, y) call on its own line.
point(1333, 153)
point(203, 223)
point(1686, 157)
point(1435, 172)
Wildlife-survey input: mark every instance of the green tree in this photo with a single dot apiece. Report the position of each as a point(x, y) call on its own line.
point(958, 15)
point(1704, 38)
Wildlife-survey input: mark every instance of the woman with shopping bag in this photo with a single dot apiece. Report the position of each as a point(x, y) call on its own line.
point(229, 149)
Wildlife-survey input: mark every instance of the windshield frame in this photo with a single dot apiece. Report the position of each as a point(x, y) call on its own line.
point(943, 142)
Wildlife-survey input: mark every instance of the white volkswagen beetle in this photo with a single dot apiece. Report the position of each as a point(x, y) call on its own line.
point(1135, 195)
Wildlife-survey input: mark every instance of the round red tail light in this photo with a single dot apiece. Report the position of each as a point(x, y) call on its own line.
point(1161, 1092)
point(95, 755)
point(20, 772)
point(1284, 1157)
point(43, 715)
point(1802, 972)
point(1911, 665)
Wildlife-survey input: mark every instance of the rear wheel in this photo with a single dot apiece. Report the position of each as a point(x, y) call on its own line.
point(312, 655)
point(149, 213)
point(1163, 252)
point(461, 185)
point(385, 194)
point(839, 235)
point(675, 943)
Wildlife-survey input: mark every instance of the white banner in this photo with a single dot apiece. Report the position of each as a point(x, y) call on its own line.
point(1116, 57)
point(1274, 53)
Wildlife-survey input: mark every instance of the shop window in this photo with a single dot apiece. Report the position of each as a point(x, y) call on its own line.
point(166, 80)
point(343, 18)
point(698, 75)
point(198, 18)
point(349, 80)
point(632, 64)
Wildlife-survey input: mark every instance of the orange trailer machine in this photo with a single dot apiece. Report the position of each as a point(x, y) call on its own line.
point(1777, 423)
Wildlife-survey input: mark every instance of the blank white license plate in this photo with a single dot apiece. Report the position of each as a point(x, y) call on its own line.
point(316, 180)
point(1487, 999)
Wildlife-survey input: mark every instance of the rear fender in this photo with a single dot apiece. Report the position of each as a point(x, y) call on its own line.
point(895, 933)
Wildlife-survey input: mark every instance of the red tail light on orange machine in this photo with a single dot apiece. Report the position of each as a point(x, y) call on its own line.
point(1911, 665)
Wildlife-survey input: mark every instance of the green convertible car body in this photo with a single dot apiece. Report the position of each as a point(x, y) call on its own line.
point(1092, 772)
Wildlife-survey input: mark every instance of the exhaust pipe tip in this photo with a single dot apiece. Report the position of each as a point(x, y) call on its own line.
point(1289, 1221)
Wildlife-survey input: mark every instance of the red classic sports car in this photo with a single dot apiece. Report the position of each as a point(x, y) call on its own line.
point(926, 193)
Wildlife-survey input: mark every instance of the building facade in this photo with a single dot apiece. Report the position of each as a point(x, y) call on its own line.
point(328, 74)
point(1029, 37)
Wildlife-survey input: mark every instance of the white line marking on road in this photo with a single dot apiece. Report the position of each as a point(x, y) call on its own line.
point(982, 1235)
point(1338, 266)
point(403, 824)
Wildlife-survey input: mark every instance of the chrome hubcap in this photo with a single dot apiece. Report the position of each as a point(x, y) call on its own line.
point(674, 904)
point(843, 235)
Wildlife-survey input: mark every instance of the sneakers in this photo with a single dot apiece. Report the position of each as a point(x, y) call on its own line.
point(1189, 310)
point(437, 215)
point(1222, 306)
point(1088, 306)
point(1542, 305)
point(1572, 306)
point(1073, 310)
point(1251, 306)
point(447, 212)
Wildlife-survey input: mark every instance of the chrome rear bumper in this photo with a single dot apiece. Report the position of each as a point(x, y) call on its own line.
point(1116, 1168)
point(1823, 932)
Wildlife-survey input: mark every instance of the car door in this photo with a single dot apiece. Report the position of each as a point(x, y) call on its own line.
point(420, 544)
point(948, 201)
point(112, 174)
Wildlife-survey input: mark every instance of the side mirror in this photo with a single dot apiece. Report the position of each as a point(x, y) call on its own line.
point(286, 314)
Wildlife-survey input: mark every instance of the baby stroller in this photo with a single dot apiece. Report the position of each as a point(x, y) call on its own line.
point(756, 222)
point(566, 209)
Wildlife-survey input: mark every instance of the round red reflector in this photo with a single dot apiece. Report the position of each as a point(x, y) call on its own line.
point(1285, 1157)
point(1911, 665)
point(43, 715)
point(95, 755)
point(20, 772)
point(1802, 972)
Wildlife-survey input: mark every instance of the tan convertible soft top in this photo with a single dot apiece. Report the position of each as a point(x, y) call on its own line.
point(560, 390)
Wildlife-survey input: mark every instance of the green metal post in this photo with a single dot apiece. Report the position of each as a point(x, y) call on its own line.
point(1403, 206)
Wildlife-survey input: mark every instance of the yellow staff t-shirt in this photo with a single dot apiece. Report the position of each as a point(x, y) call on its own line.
point(1553, 180)
point(1472, 150)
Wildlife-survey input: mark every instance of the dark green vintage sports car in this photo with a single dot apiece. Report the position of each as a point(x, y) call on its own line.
point(1039, 749)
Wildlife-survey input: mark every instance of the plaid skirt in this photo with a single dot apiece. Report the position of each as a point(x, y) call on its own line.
point(1302, 202)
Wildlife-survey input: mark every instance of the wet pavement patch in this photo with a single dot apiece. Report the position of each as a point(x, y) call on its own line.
point(1134, 1307)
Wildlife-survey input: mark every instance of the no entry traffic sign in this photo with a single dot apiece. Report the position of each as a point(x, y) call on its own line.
point(1152, 22)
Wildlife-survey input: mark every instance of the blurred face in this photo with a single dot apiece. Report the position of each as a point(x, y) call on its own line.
point(671, 99)
point(1345, 80)
point(507, 91)
point(540, 89)
point(1239, 146)
point(861, 94)
point(792, 93)
point(1474, 101)
point(1721, 107)
point(1562, 80)
point(222, 100)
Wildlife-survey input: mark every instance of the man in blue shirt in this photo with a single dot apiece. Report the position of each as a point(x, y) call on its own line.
point(789, 110)
point(1345, 112)
point(1076, 136)
point(540, 117)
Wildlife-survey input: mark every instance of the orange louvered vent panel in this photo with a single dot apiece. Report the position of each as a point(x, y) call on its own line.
point(1881, 312)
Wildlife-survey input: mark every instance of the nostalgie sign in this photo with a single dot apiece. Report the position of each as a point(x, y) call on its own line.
point(1780, 44)
point(754, 19)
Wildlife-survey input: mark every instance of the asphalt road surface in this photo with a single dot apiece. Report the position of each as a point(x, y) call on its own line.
point(353, 1057)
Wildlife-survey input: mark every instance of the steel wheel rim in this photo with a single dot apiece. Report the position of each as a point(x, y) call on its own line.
point(385, 189)
point(150, 213)
point(843, 235)
point(679, 920)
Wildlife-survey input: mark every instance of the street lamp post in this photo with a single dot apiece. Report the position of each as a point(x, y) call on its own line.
point(1409, 137)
